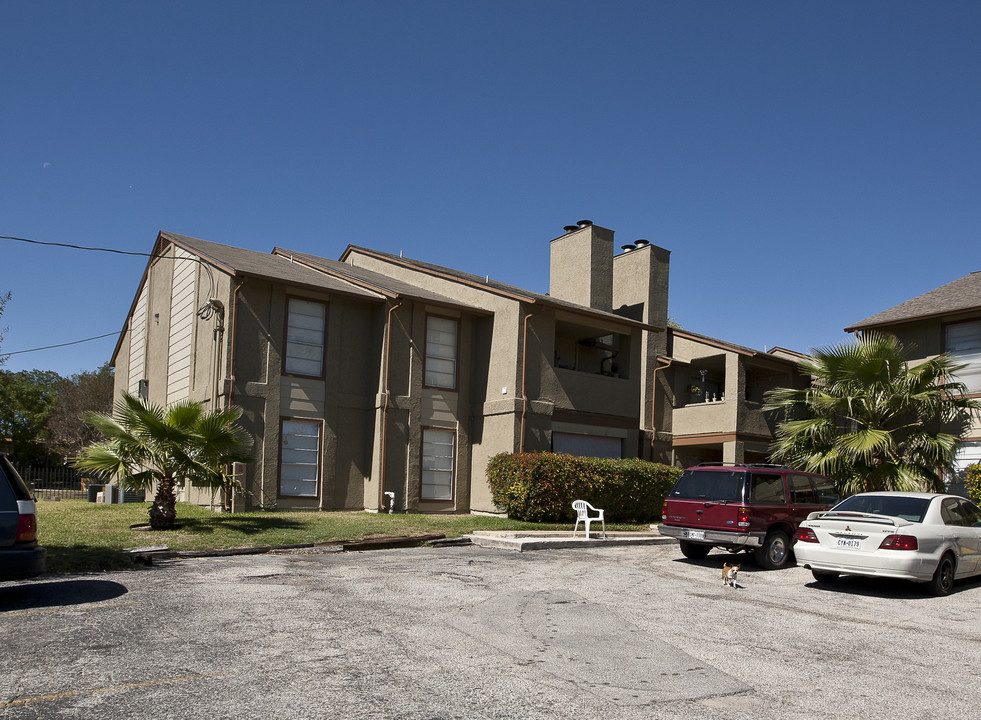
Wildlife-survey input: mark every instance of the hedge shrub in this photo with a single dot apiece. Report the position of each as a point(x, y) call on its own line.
point(972, 481)
point(540, 487)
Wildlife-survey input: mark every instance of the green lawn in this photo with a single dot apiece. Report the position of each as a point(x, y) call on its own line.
point(84, 537)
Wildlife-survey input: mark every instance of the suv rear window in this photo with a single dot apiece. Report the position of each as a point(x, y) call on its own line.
point(720, 485)
point(17, 485)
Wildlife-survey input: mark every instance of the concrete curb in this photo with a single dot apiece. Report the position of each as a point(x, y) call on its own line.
point(148, 554)
point(523, 542)
point(503, 540)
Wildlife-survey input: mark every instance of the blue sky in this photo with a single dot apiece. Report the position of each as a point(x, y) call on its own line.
point(807, 164)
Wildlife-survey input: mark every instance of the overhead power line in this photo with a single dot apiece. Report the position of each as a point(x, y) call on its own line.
point(78, 247)
point(49, 347)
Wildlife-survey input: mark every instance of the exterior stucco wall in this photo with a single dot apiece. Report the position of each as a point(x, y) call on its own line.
point(928, 339)
point(344, 400)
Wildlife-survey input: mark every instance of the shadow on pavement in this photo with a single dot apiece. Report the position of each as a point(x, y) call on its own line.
point(58, 593)
point(887, 587)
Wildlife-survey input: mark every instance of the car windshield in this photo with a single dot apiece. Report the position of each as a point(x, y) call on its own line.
point(907, 508)
point(724, 486)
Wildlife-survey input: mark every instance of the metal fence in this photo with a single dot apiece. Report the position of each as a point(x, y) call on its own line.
point(63, 482)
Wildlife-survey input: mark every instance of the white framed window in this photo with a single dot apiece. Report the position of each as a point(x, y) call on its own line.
point(441, 352)
point(438, 451)
point(299, 457)
point(306, 322)
point(963, 342)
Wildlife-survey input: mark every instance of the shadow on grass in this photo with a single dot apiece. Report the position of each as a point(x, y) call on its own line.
point(57, 593)
point(231, 523)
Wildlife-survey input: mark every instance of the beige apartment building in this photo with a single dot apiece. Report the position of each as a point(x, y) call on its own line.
point(378, 381)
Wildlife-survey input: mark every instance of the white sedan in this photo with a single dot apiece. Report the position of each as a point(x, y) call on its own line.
point(924, 537)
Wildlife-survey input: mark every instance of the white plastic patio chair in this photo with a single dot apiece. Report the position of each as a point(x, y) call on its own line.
point(582, 509)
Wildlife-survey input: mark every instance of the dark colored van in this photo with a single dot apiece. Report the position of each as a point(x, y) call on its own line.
point(755, 508)
point(20, 555)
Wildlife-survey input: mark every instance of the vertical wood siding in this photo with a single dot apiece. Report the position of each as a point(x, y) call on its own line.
point(181, 328)
point(137, 342)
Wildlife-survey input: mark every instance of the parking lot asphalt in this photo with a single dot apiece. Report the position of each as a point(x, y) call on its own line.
point(469, 632)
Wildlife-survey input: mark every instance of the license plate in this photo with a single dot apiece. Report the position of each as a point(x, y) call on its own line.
point(696, 534)
point(849, 543)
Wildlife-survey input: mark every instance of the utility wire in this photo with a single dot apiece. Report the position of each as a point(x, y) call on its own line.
point(79, 247)
point(202, 261)
point(102, 249)
point(49, 347)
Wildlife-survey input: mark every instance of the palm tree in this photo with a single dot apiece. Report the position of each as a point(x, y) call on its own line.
point(872, 421)
point(146, 445)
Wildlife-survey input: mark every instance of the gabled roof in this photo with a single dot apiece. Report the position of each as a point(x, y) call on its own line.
point(961, 295)
point(250, 263)
point(485, 284)
point(244, 263)
point(377, 282)
point(781, 351)
point(732, 347)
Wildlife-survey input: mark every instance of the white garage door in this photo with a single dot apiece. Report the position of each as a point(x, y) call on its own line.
point(587, 445)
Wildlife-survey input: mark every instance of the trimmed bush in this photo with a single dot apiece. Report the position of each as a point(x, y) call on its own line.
point(972, 481)
point(540, 487)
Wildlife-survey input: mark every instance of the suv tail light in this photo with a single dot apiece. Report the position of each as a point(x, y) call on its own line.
point(664, 510)
point(742, 517)
point(898, 542)
point(26, 528)
point(806, 535)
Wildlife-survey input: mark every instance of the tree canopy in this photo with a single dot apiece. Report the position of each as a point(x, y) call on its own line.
point(89, 391)
point(871, 420)
point(27, 399)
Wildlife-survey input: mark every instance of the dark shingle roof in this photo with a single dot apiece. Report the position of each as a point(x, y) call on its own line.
point(377, 281)
point(954, 297)
point(732, 347)
point(493, 286)
point(239, 261)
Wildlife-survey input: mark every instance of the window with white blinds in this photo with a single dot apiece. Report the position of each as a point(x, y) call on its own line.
point(299, 457)
point(441, 347)
point(964, 344)
point(305, 326)
point(437, 464)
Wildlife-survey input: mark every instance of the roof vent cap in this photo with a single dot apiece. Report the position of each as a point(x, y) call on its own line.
point(570, 228)
point(627, 248)
point(641, 243)
point(584, 223)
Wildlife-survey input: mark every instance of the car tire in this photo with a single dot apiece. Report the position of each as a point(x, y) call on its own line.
point(943, 578)
point(692, 551)
point(824, 576)
point(775, 551)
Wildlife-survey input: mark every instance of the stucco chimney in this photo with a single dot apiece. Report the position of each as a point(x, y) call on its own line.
point(640, 285)
point(581, 266)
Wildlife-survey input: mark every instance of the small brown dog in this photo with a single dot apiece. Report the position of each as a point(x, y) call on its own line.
point(729, 574)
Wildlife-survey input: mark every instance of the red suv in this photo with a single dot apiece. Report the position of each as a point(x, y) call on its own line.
point(755, 508)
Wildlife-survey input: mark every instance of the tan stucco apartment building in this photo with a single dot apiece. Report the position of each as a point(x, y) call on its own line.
point(377, 380)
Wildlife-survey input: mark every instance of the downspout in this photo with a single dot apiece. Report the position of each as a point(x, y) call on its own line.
point(653, 404)
point(524, 390)
point(232, 318)
point(384, 418)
